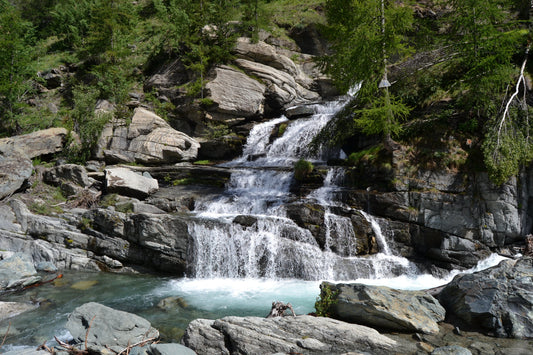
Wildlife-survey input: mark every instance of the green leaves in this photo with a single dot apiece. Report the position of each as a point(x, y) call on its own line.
point(15, 70)
point(363, 40)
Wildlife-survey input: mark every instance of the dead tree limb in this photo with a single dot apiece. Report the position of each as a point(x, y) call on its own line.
point(520, 82)
point(5, 335)
point(278, 309)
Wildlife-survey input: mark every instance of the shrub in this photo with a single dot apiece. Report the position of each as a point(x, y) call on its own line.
point(302, 169)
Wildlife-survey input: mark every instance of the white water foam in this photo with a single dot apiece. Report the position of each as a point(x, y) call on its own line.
point(248, 295)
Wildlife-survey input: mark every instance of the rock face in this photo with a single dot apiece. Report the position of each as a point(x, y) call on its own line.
point(148, 139)
point(498, 300)
point(108, 327)
point(302, 334)
point(15, 169)
point(236, 93)
point(385, 308)
point(126, 182)
point(107, 240)
point(16, 271)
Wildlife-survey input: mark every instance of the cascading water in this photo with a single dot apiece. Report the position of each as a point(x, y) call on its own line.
point(246, 233)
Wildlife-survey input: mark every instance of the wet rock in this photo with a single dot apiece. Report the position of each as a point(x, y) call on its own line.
point(301, 334)
point(174, 302)
point(16, 271)
point(245, 221)
point(126, 182)
point(498, 300)
point(385, 308)
point(11, 309)
point(299, 111)
point(108, 327)
point(224, 148)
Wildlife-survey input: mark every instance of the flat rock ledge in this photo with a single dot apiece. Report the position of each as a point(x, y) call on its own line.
point(294, 335)
point(385, 308)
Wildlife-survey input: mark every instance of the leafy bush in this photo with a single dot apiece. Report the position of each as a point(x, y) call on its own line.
point(302, 168)
point(327, 298)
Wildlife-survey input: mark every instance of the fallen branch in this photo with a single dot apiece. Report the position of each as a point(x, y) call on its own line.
point(5, 335)
point(44, 282)
point(278, 309)
point(87, 332)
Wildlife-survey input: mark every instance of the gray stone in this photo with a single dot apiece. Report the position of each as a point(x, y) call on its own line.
point(48, 141)
point(169, 349)
point(283, 88)
point(126, 182)
point(67, 172)
point(15, 169)
point(46, 266)
point(383, 307)
point(109, 327)
point(451, 350)
point(299, 111)
point(497, 300)
point(301, 334)
point(16, 271)
point(11, 309)
point(235, 93)
point(27, 351)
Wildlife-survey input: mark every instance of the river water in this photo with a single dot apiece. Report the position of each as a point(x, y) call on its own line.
point(237, 268)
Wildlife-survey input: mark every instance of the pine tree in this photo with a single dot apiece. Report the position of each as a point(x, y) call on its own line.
point(364, 34)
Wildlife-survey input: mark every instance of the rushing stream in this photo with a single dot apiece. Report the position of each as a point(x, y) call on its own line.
point(245, 253)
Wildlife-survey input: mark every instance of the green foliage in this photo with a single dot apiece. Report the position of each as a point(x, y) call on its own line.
point(369, 154)
point(327, 298)
point(302, 168)
point(485, 38)
point(216, 130)
point(505, 152)
point(15, 70)
point(361, 45)
point(83, 120)
point(382, 114)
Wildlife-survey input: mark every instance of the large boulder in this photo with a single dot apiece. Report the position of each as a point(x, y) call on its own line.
point(48, 141)
point(236, 93)
point(16, 168)
point(283, 89)
point(498, 300)
point(108, 328)
point(148, 139)
point(384, 308)
point(300, 335)
point(17, 271)
point(126, 182)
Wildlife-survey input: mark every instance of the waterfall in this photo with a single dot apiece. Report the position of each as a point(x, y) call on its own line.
point(245, 232)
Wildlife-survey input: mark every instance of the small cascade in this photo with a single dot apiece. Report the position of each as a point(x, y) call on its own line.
point(345, 242)
point(380, 238)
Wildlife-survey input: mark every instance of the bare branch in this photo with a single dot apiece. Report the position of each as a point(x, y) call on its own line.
point(5, 335)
